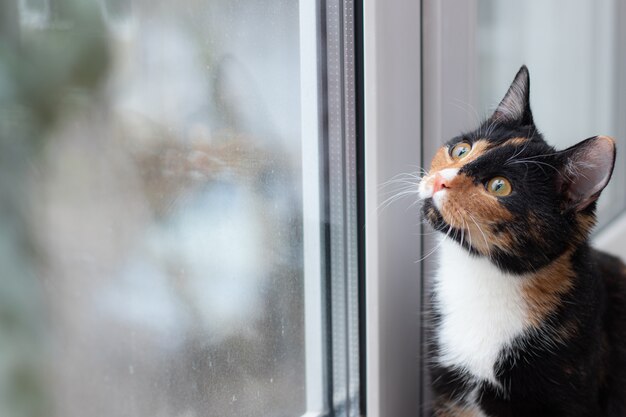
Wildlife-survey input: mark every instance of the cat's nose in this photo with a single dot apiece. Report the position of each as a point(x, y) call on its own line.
point(439, 183)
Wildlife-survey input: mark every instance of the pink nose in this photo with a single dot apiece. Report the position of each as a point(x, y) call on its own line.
point(439, 183)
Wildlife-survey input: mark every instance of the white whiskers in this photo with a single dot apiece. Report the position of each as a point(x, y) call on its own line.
point(436, 247)
point(400, 186)
point(483, 233)
point(407, 185)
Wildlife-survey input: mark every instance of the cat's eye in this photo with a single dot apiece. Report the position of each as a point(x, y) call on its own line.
point(460, 150)
point(499, 186)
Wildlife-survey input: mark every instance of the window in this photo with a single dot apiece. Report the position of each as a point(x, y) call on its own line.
point(189, 170)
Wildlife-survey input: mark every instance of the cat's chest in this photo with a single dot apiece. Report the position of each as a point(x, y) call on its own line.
point(482, 312)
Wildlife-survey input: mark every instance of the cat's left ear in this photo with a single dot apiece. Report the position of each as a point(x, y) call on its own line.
point(586, 170)
point(515, 106)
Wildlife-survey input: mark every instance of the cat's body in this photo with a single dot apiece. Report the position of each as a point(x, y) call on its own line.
point(527, 319)
point(568, 366)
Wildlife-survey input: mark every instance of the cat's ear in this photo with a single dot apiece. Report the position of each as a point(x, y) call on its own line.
point(515, 106)
point(586, 170)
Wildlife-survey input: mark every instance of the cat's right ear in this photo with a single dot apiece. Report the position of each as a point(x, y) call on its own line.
point(586, 170)
point(515, 106)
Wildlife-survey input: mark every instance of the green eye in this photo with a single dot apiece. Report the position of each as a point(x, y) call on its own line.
point(460, 150)
point(499, 186)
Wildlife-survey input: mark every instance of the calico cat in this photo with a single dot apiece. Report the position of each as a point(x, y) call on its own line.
point(527, 318)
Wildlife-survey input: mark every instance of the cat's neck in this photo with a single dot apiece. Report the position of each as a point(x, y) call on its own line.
point(482, 311)
point(485, 310)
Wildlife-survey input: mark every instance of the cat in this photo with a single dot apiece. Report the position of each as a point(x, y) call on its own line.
point(526, 318)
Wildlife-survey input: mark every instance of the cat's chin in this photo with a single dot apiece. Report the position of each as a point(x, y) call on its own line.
point(433, 216)
point(436, 220)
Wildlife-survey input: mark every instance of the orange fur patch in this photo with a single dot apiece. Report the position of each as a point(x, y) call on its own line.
point(544, 290)
point(453, 409)
point(516, 141)
point(442, 158)
point(586, 223)
point(470, 207)
point(536, 227)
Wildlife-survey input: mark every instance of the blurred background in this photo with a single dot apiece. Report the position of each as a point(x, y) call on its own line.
point(150, 209)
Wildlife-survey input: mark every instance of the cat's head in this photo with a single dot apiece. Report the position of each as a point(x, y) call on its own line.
point(502, 192)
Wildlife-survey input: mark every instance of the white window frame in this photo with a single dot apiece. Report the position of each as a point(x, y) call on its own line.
point(312, 195)
point(392, 114)
point(329, 181)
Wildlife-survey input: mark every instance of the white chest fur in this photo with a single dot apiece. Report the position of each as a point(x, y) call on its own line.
point(482, 311)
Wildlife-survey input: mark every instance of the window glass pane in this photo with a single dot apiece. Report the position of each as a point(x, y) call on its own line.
point(573, 68)
point(167, 206)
